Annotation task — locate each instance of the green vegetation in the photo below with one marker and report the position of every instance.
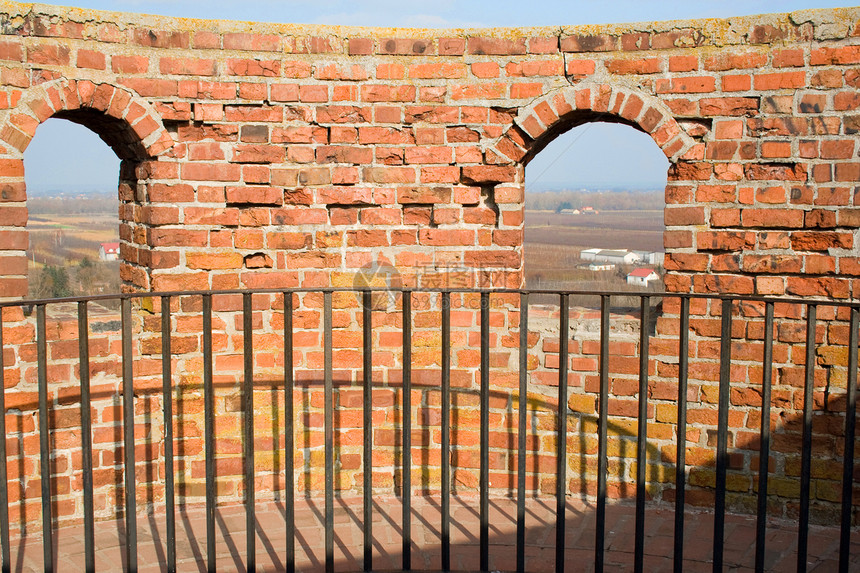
(50, 282)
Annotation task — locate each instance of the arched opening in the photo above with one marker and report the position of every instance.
(594, 199)
(131, 129)
(73, 223)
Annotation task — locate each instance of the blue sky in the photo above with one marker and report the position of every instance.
(587, 156)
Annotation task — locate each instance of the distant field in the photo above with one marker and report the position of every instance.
(66, 239)
(639, 230)
(553, 243)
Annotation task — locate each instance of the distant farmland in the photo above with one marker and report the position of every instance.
(635, 230)
(553, 243)
(61, 239)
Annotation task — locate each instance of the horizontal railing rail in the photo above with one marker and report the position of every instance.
(719, 307)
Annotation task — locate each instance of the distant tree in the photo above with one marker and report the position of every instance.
(86, 275)
(54, 282)
(562, 206)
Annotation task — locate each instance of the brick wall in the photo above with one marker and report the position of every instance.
(340, 146)
(296, 156)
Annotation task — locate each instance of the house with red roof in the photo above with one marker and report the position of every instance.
(642, 277)
(109, 251)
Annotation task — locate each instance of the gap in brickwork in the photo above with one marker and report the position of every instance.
(73, 225)
(594, 211)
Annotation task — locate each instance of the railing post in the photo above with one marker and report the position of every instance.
(602, 421)
(806, 447)
(86, 437)
(44, 436)
(764, 450)
(485, 432)
(167, 408)
(722, 432)
(446, 432)
(248, 410)
(406, 488)
(521, 433)
(209, 432)
(328, 392)
(367, 416)
(5, 553)
(848, 457)
(681, 434)
(642, 435)
(289, 439)
(561, 436)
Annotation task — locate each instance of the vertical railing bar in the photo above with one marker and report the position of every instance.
(681, 434)
(209, 432)
(5, 551)
(764, 449)
(44, 436)
(128, 436)
(806, 448)
(248, 409)
(329, 434)
(561, 436)
(848, 460)
(521, 433)
(367, 415)
(86, 437)
(446, 431)
(642, 435)
(289, 435)
(167, 408)
(722, 433)
(484, 479)
(407, 431)
(602, 420)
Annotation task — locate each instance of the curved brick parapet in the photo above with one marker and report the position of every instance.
(276, 156)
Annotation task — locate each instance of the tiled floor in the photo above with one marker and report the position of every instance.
(387, 546)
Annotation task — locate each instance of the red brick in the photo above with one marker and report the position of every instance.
(634, 66)
(405, 46)
(780, 80)
(683, 63)
(733, 61)
(776, 218)
(90, 59)
(732, 106)
(12, 50)
(835, 56)
(252, 42)
(589, 43)
(249, 67)
(696, 84)
(187, 66)
(48, 53)
(496, 46)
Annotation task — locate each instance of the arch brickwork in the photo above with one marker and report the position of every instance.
(591, 101)
(125, 121)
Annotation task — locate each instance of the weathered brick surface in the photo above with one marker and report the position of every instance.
(757, 116)
(294, 156)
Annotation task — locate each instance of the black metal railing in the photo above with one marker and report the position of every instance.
(723, 306)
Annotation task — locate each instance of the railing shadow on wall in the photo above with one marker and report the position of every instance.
(340, 400)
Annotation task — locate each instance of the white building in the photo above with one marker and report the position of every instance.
(614, 256)
(651, 257)
(642, 277)
(109, 251)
